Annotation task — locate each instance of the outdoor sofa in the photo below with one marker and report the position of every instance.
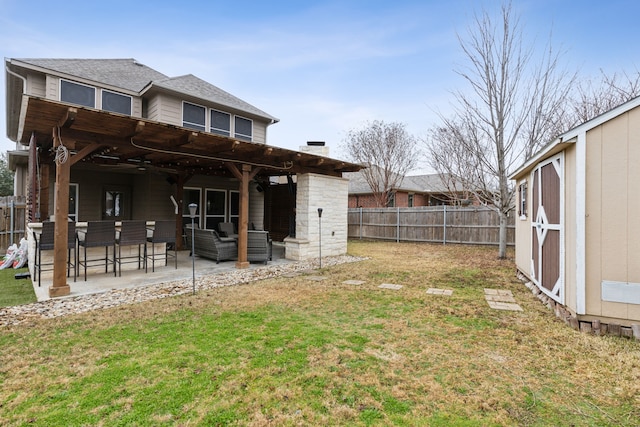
(209, 244)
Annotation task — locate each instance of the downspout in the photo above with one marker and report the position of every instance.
(24, 79)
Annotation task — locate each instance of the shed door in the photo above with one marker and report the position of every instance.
(547, 263)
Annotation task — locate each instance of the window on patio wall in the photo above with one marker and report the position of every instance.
(191, 195)
(216, 203)
(234, 208)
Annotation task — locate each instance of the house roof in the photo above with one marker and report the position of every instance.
(198, 88)
(570, 137)
(131, 76)
(127, 74)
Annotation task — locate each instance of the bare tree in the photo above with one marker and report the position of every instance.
(594, 98)
(513, 105)
(388, 151)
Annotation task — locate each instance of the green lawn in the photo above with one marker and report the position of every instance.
(293, 351)
(15, 291)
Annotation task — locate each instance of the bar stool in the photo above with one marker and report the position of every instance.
(132, 233)
(98, 234)
(45, 243)
(163, 232)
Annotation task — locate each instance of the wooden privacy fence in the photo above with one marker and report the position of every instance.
(437, 224)
(12, 221)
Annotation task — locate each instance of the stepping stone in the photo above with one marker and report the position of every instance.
(504, 306)
(436, 291)
(497, 292)
(390, 286)
(317, 278)
(500, 298)
(353, 282)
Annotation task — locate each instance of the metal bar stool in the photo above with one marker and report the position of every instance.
(45, 243)
(98, 234)
(132, 233)
(163, 232)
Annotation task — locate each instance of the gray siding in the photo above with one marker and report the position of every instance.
(37, 85)
(53, 83)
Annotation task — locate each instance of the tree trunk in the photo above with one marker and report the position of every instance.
(502, 236)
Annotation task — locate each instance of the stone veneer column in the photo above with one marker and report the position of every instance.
(331, 194)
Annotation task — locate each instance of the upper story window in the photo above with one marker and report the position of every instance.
(220, 123)
(193, 116)
(116, 102)
(76, 93)
(243, 128)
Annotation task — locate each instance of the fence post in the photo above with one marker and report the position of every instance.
(11, 208)
(360, 222)
(444, 224)
(397, 224)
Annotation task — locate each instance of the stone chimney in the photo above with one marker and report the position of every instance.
(316, 147)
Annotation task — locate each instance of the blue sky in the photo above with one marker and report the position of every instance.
(321, 67)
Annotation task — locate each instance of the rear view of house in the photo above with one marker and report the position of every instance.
(578, 235)
(113, 139)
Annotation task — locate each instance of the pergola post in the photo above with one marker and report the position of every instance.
(59, 286)
(244, 177)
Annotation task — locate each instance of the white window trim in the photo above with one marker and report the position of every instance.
(95, 91)
(117, 93)
(206, 119)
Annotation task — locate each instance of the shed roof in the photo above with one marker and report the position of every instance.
(569, 137)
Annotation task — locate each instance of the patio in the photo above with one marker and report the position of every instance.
(101, 282)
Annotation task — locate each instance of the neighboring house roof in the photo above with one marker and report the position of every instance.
(198, 88)
(431, 183)
(570, 137)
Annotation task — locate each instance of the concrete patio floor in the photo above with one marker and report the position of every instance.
(101, 282)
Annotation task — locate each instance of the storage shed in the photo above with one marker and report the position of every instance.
(578, 232)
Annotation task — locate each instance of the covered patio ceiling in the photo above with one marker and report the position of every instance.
(108, 138)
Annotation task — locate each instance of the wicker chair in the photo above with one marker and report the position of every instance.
(209, 244)
(132, 233)
(259, 246)
(45, 243)
(163, 232)
(98, 234)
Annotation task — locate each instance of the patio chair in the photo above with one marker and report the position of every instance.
(45, 243)
(227, 229)
(132, 233)
(98, 234)
(163, 232)
(259, 246)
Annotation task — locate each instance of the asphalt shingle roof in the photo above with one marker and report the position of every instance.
(127, 74)
(131, 75)
(194, 86)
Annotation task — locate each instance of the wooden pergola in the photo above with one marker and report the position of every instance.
(77, 134)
